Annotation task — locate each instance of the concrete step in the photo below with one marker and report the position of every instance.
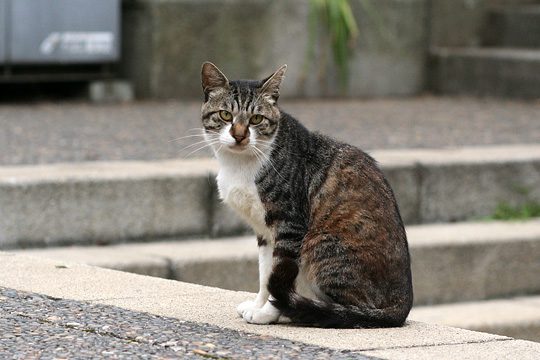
(198, 304)
(98, 203)
(517, 317)
(450, 262)
(513, 26)
(502, 72)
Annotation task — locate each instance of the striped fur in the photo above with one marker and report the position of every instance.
(340, 253)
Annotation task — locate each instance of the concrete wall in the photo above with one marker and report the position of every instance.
(460, 22)
(456, 22)
(166, 41)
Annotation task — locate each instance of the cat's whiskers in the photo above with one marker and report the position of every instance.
(220, 146)
(266, 143)
(273, 145)
(263, 140)
(270, 147)
(187, 137)
(207, 138)
(267, 158)
(209, 144)
(198, 143)
(202, 130)
(272, 141)
(257, 156)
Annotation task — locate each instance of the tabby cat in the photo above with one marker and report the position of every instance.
(332, 247)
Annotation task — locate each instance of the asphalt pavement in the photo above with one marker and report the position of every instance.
(34, 326)
(72, 131)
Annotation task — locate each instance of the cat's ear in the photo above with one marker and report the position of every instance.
(212, 78)
(270, 85)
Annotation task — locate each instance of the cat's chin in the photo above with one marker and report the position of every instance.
(237, 149)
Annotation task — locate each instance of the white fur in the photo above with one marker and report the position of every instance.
(236, 185)
(236, 182)
(265, 315)
(265, 268)
(261, 310)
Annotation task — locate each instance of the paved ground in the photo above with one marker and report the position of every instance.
(34, 326)
(176, 306)
(45, 132)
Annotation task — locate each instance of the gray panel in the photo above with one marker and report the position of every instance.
(3, 30)
(64, 31)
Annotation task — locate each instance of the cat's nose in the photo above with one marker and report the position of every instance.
(239, 137)
(240, 133)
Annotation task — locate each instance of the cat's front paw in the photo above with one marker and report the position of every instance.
(268, 314)
(245, 306)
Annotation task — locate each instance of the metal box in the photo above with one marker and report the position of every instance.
(61, 31)
(3, 30)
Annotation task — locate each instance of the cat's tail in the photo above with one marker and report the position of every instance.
(304, 311)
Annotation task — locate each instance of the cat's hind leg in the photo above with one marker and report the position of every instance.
(265, 267)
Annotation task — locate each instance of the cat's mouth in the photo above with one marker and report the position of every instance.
(237, 148)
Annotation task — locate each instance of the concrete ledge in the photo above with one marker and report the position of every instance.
(215, 306)
(228, 263)
(524, 350)
(457, 184)
(450, 262)
(103, 202)
(513, 26)
(110, 202)
(517, 317)
(505, 72)
(470, 261)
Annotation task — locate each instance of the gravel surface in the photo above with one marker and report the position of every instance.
(47, 132)
(34, 326)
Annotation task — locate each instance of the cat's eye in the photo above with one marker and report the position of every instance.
(225, 115)
(256, 119)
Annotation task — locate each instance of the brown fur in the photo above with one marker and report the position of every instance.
(349, 211)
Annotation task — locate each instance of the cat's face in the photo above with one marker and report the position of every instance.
(240, 117)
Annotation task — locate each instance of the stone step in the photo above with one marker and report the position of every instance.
(450, 262)
(501, 72)
(517, 317)
(514, 26)
(106, 202)
(194, 304)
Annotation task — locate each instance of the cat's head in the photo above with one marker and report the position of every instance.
(242, 116)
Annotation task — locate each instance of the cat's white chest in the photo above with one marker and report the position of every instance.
(236, 184)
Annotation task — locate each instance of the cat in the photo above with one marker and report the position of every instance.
(332, 247)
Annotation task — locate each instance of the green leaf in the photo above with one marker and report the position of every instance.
(338, 19)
